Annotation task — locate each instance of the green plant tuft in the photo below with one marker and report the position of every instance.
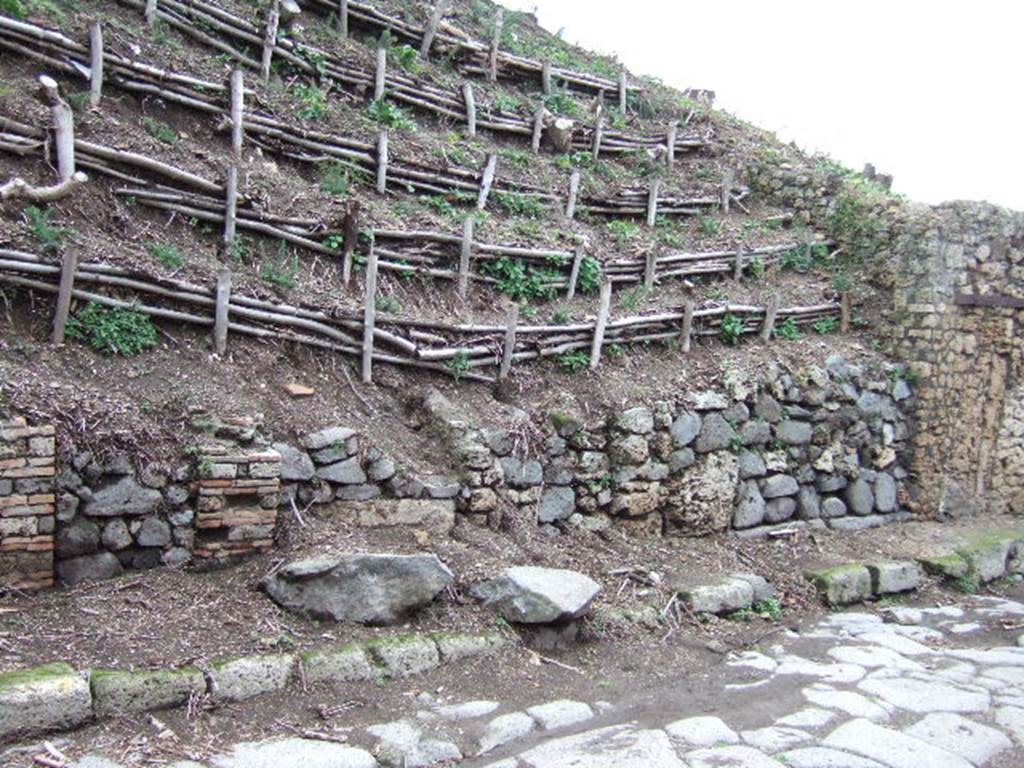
(520, 280)
(167, 254)
(459, 365)
(623, 231)
(51, 238)
(826, 325)
(789, 330)
(160, 130)
(383, 112)
(529, 206)
(574, 362)
(589, 278)
(113, 330)
(732, 329)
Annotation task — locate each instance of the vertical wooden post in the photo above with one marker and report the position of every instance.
(487, 181)
(737, 270)
(574, 191)
(380, 76)
(231, 204)
(150, 12)
(686, 333)
(428, 34)
(652, 202)
(382, 161)
(727, 179)
(492, 59)
(63, 119)
(220, 318)
(598, 131)
(343, 19)
(348, 246)
(270, 39)
(545, 78)
(622, 92)
(465, 254)
(95, 64)
(470, 101)
(509, 347)
(845, 311)
(771, 311)
(670, 143)
(650, 269)
(69, 263)
(604, 304)
(237, 111)
(574, 274)
(369, 312)
(538, 129)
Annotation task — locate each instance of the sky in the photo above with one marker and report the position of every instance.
(929, 92)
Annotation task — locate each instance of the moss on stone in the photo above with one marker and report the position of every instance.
(952, 566)
(40, 674)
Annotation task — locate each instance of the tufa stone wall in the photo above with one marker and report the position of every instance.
(26, 505)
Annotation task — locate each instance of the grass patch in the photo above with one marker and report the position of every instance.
(383, 112)
(575, 361)
(520, 280)
(167, 254)
(113, 330)
(160, 130)
(528, 206)
(623, 231)
(50, 237)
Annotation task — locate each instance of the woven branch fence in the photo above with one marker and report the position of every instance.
(460, 350)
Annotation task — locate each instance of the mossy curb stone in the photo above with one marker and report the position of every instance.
(950, 566)
(248, 676)
(402, 656)
(43, 698)
(454, 646)
(892, 577)
(115, 692)
(344, 664)
(987, 556)
(842, 585)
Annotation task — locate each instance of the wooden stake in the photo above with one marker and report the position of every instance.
(737, 271)
(686, 333)
(771, 310)
(652, 202)
(470, 101)
(369, 312)
(545, 77)
(380, 78)
(727, 180)
(150, 12)
(465, 254)
(220, 319)
(237, 111)
(538, 129)
(95, 64)
(845, 311)
(574, 274)
(343, 19)
(382, 161)
(605, 303)
(231, 204)
(63, 120)
(598, 132)
(670, 143)
(428, 34)
(574, 190)
(270, 39)
(622, 91)
(509, 347)
(487, 181)
(650, 269)
(499, 21)
(69, 263)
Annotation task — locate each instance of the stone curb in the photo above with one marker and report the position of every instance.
(979, 560)
(58, 697)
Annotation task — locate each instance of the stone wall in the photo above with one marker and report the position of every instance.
(967, 353)
(26, 505)
(819, 446)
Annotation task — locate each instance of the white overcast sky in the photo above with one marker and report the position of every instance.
(928, 91)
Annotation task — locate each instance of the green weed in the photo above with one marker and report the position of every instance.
(732, 329)
(388, 304)
(459, 365)
(520, 280)
(789, 330)
(530, 206)
(768, 609)
(623, 231)
(709, 225)
(314, 101)
(167, 254)
(279, 270)
(383, 112)
(826, 325)
(51, 238)
(160, 130)
(589, 278)
(113, 330)
(575, 361)
(335, 180)
(630, 300)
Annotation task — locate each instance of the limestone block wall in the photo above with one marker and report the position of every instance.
(26, 504)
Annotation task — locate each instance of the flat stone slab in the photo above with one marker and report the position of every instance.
(702, 731)
(559, 714)
(344, 664)
(730, 757)
(775, 738)
(49, 697)
(467, 710)
(926, 696)
(619, 746)
(405, 655)
(890, 747)
(503, 729)
(533, 595)
(895, 576)
(822, 757)
(851, 703)
(436, 515)
(367, 588)
(295, 753)
(954, 733)
(401, 745)
(730, 594)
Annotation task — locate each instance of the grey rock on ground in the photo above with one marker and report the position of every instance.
(295, 753)
(534, 595)
(368, 588)
(96, 567)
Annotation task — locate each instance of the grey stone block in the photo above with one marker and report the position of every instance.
(779, 485)
(243, 678)
(344, 664)
(50, 697)
(403, 656)
(115, 692)
(897, 576)
(859, 497)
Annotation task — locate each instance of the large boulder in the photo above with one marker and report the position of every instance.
(534, 595)
(124, 497)
(368, 588)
